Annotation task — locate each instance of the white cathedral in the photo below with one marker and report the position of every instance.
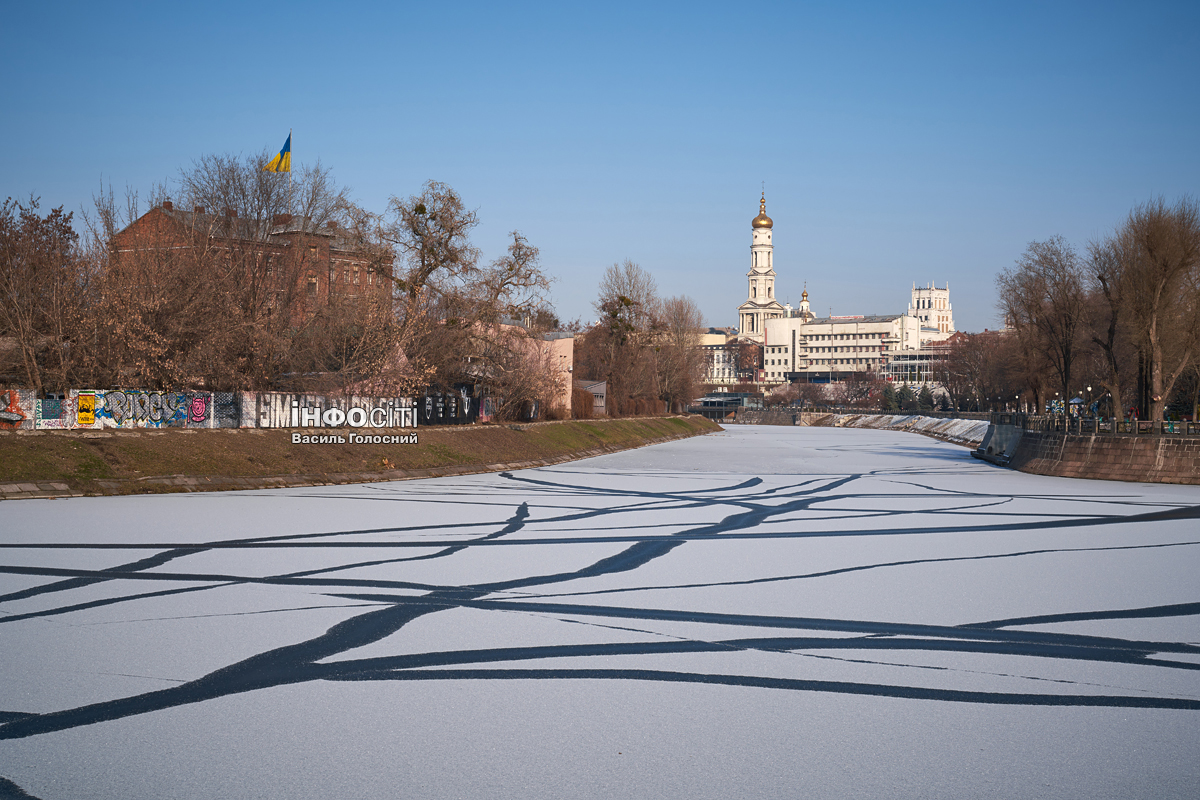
(797, 345)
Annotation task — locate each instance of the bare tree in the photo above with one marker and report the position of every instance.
(861, 389)
(638, 288)
(1108, 281)
(513, 285)
(521, 370)
(747, 358)
(953, 370)
(41, 285)
(505, 315)
(1162, 290)
(308, 196)
(160, 314)
(431, 232)
(680, 359)
(619, 348)
(1044, 297)
(811, 393)
(783, 395)
(223, 290)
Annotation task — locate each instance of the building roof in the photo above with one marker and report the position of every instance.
(230, 226)
(849, 320)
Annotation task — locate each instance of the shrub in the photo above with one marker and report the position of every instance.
(583, 403)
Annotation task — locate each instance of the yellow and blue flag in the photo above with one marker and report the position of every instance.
(283, 161)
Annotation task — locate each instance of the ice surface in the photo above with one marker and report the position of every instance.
(764, 612)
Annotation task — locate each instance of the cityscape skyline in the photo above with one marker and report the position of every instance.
(897, 145)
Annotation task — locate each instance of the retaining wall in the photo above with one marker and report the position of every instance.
(1154, 459)
(97, 409)
(968, 432)
(755, 416)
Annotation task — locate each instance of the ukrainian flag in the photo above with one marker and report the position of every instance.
(283, 161)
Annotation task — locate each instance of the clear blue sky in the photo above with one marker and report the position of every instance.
(899, 142)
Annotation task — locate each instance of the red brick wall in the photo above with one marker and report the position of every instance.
(1153, 459)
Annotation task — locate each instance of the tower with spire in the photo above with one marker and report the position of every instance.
(761, 304)
(805, 311)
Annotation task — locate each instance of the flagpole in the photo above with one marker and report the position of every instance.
(291, 204)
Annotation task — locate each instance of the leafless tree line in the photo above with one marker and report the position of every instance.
(227, 307)
(1123, 316)
(645, 347)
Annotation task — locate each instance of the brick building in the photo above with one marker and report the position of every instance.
(290, 262)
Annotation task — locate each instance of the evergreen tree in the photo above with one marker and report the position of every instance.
(889, 398)
(926, 398)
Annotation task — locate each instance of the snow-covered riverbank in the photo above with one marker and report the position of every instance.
(968, 432)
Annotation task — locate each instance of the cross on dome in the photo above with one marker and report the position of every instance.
(762, 220)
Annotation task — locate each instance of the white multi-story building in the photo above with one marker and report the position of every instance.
(828, 349)
(720, 359)
(931, 306)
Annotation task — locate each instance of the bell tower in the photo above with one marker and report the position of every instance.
(760, 304)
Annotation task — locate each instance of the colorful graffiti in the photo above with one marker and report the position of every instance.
(55, 413)
(120, 408)
(85, 409)
(198, 409)
(14, 414)
(145, 408)
(95, 409)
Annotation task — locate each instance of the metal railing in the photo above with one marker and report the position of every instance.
(1088, 426)
(825, 409)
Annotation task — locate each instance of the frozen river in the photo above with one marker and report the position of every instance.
(765, 612)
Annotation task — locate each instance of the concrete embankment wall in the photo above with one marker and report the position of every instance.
(967, 432)
(749, 416)
(1154, 459)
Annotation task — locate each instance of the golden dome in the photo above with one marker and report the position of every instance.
(762, 220)
(804, 295)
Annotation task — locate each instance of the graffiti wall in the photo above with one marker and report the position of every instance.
(17, 409)
(459, 406)
(288, 410)
(120, 408)
(98, 409)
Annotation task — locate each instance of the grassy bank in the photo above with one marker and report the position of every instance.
(120, 462)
